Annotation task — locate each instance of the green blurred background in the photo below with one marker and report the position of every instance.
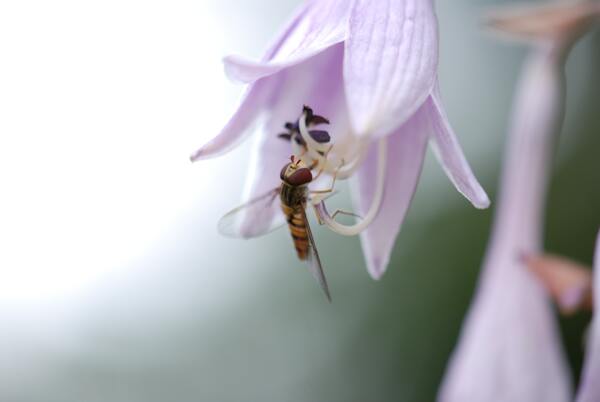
(193, 316)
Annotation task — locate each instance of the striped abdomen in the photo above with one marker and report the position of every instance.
(297, 225)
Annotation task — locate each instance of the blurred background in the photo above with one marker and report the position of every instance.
(114, 283)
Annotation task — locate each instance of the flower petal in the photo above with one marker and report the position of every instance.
(569, 283)
(449, 153)
(238, 127)
(390, 62)
(589, 390)
(319, 25)
(406, 151)
(316, 82)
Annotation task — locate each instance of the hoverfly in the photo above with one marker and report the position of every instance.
(262, 214)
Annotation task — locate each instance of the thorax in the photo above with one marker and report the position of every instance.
(293, 196)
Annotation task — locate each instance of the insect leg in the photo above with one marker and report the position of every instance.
(338, 211)
(331, 188)
(319, 220)
(342, 212)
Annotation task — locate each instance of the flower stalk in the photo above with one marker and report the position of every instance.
(510, 348)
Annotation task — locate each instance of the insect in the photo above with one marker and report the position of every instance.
(260, 216)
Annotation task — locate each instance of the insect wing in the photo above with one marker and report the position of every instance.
(313, 260)
(254, 218)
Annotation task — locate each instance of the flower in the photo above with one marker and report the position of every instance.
(589, 390)
(509, 349)
(371, 68)
(572, 286)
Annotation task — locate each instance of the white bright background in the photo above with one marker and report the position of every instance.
(102, 214)
(100, 104)
(105, 225)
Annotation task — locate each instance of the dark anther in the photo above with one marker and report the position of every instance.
(316, 120)
(313, 119)
(321, 136)
(308, 111)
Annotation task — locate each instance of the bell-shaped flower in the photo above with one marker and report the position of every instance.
(573, 287)
(510, 347)
(589, 388)
(370, 67)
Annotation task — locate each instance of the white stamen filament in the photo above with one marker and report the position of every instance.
(352, 230)
(313, 146)
(298, 150)
(341, 167)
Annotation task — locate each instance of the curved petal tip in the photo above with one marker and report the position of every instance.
(377, 267)
(196, 156)
(449, 152)
(200, 154)
(481, 199)
(406, 152)
(238, 127)
(317, 26)
(239, 69)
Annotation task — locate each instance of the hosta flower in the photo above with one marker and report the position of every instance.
(510, 348)
(589, 389)
(370, 67)
(572, 285)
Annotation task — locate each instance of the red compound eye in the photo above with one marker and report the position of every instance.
(299, 177)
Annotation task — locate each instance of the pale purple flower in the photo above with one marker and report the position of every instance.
(572, 285)
(371, 68)
(510, 348)
(589, 390)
